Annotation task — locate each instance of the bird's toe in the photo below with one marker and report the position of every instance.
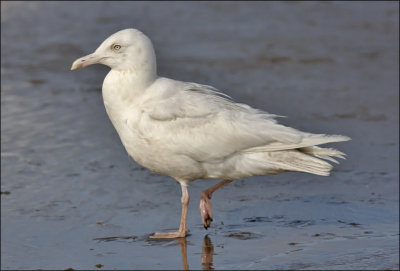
(206, 212)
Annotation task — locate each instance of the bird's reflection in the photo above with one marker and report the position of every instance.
(207, 249)
(207, 252)
(183, 244)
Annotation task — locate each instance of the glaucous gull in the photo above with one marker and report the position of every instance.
(190, 131)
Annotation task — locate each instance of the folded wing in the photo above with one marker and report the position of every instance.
(200, 122)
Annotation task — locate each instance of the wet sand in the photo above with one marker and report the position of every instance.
(72, 198)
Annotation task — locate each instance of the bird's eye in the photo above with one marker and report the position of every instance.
(116, 47)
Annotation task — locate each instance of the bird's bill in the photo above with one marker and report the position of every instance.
(85, 61)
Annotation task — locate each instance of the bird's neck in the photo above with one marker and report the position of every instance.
(129, 82)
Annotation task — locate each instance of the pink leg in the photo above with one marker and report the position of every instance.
(182, 228)
(205, 204)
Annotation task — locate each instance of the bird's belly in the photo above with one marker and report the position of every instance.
(148, 153)
(161, 160)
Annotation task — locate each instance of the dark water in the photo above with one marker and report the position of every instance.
(72, 198)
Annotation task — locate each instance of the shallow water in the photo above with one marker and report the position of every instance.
(72, 198)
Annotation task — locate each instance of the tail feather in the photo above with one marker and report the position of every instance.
(308, 140)
(294, 160)
(323, 153)
(304, 156)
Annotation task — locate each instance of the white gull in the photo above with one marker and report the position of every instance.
(191, 131)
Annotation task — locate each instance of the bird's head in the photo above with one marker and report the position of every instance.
(124, 50)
